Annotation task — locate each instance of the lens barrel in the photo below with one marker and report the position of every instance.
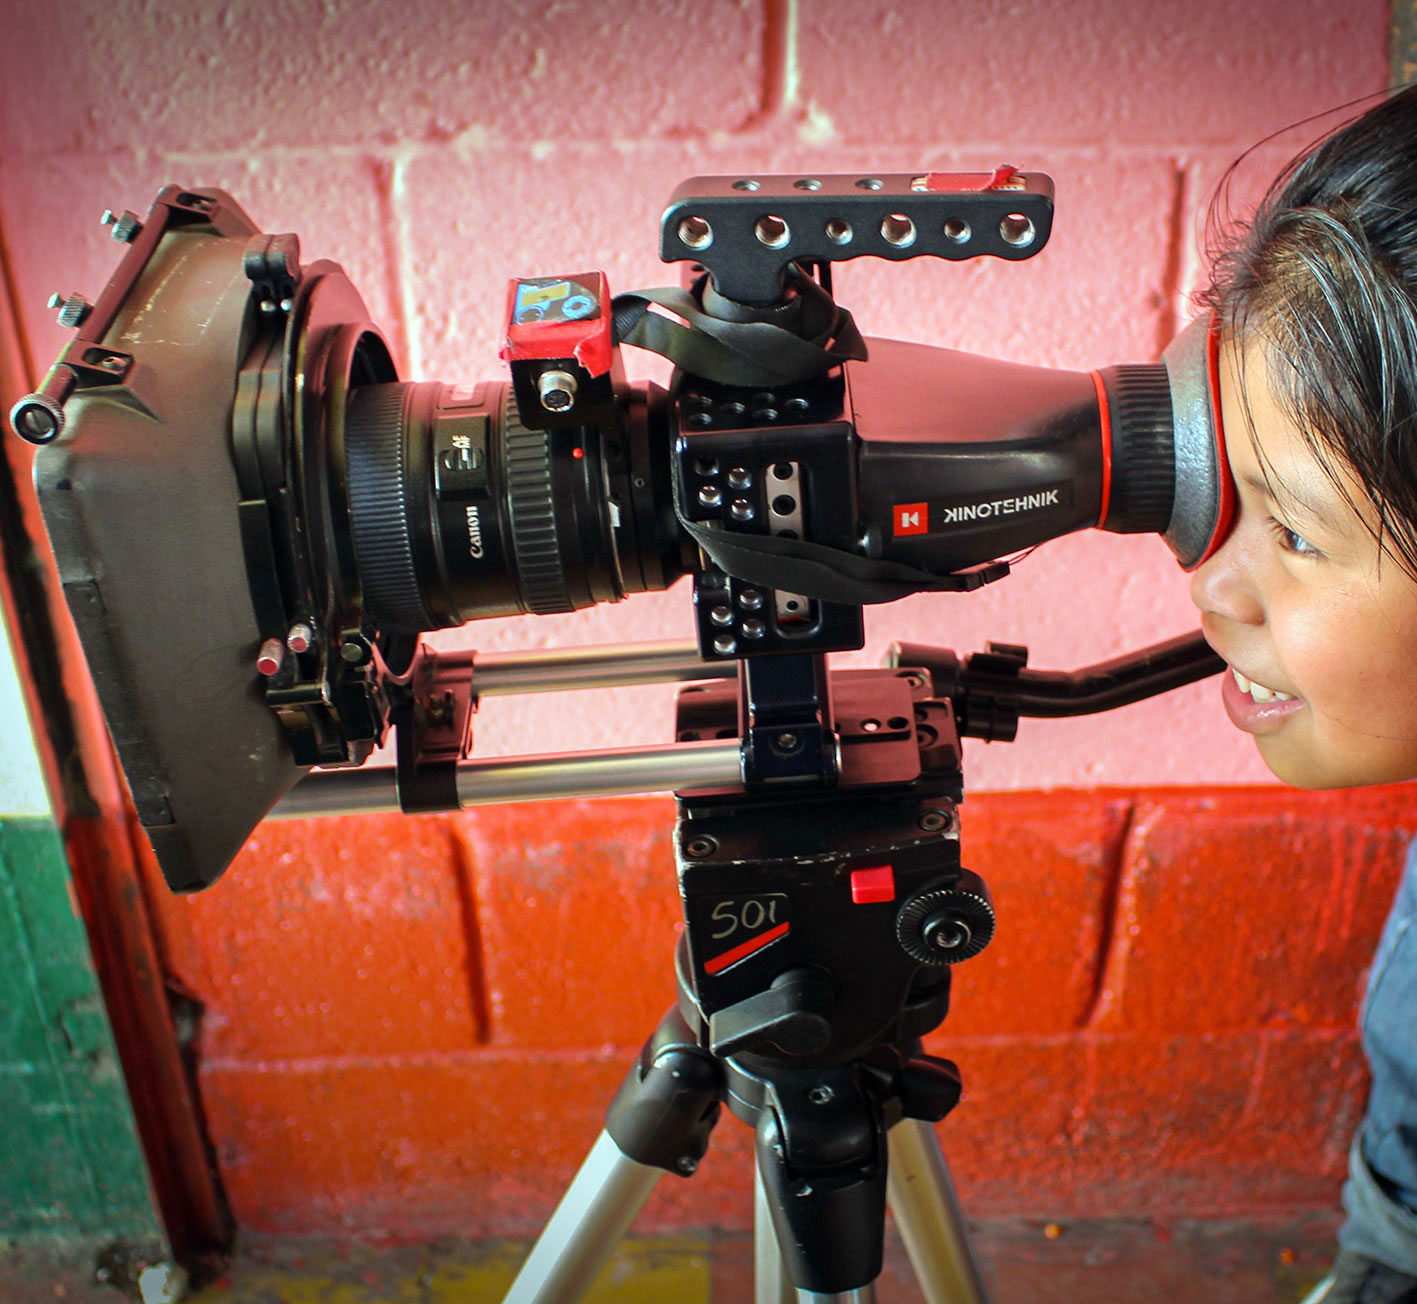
(458, 511)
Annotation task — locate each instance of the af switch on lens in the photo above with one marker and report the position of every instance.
(460, 454)
(944, 925)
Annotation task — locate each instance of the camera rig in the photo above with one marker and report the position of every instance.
(255, 522)
(251, 500)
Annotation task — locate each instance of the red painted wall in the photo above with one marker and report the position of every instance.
(414, 1024)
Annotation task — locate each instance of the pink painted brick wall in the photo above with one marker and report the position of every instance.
(439, 148)
(415, 1025)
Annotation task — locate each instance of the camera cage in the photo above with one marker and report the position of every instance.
(283, 345)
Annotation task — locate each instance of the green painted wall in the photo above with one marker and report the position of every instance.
(70, 1163)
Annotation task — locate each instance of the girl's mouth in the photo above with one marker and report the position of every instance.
(1253, 707)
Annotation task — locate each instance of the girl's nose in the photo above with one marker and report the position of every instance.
(1226, 584)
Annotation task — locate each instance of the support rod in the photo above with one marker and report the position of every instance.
(497, 674)
(620, 770)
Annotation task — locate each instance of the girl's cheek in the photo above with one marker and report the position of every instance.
(1314, 650)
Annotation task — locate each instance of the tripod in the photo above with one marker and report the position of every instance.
(810, 966)
(824, 905)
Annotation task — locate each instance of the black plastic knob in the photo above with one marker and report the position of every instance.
(794, 1014)
(947, 924)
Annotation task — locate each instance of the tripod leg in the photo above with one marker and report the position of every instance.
(821, 1151)
(772, 1285)
(770, 1279)
(922, 1198)
(595, 1212)
(659, 1122)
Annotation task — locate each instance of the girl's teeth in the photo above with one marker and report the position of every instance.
(1258, 691)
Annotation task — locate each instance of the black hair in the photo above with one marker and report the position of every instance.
(1324, 278)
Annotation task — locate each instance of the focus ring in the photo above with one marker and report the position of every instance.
(531, 507)
(378, 507)
(1143, 448)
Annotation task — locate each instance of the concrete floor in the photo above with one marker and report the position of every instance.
(1116, 1261)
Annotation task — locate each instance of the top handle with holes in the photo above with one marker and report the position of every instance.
(746, 230)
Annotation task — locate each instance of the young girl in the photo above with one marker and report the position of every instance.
(1312, 597)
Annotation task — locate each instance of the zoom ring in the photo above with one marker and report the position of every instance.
(1143, 448)
(378, 508)
(532, 512)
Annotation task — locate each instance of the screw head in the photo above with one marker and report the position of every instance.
(73, 309)
(945, 932)
(126, 225)
(37, 418)
(821, 1094)
(687, 1165)
(557, 390)
(698, 848)
(786, 742)
(932, 821)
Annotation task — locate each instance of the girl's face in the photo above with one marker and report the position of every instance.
(1318, 625)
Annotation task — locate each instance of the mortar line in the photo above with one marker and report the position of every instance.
(1178, 263)
(472, 935)
(395, 237)
(1257, 1075)
(1329, 902)
(790, 68)
(781, 77)
(1109, 957)
(400, 261)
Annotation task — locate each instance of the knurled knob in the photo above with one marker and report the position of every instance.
(945, 925)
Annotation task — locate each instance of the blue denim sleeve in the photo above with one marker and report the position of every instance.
(1380, 1196)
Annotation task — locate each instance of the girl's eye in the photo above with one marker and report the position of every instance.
(1291, 541)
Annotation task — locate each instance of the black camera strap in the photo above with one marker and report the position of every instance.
(745, 353)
